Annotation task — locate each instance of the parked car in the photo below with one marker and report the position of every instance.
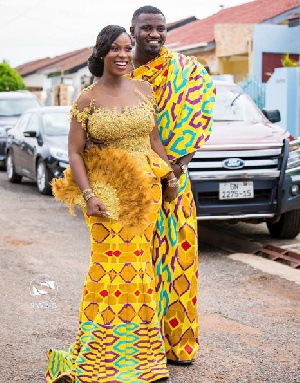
(37, 147)
(12, 105)
(249, 170)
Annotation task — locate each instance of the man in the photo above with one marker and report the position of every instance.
(185, 97)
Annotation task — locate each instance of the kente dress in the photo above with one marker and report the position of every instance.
(185, 97)
(119, 338)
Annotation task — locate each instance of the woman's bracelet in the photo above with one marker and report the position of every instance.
(88, 196)
(173, 183)
(87, 191)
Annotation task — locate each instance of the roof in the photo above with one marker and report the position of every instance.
(180, 23)
(189, 34)
(16, 94)
(254, 12)
(67, 62)
(50, 108)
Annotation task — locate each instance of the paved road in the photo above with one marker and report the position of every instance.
(250, 330)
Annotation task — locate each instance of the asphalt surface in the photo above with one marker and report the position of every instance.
(250, 320)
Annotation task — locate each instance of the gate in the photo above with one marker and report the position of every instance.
(256, 91)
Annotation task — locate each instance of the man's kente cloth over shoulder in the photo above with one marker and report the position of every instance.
(185, 96)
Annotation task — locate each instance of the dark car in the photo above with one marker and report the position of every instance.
(12, 105)
(37, 147)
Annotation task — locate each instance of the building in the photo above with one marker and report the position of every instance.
(247, 39)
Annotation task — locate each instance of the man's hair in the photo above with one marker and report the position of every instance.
(145, 9)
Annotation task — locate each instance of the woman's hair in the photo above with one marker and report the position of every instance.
(103, 43)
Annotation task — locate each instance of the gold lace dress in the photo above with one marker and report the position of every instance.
(119, 338)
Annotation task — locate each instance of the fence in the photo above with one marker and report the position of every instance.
(256, 91)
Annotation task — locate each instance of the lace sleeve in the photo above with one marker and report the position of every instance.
(81, 116)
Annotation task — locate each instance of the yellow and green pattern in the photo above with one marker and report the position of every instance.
(185, 96)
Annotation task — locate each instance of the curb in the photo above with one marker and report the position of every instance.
(268, 266)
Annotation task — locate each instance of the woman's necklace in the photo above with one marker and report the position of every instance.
(122, 94)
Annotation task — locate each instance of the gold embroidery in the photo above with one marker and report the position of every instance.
(128, 130)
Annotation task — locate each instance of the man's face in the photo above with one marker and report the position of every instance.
(150, 33)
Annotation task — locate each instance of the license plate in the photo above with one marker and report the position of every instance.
(236, 190)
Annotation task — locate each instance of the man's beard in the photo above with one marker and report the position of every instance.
(152, 52)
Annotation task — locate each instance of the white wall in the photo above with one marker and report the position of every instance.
(283, 93)
(273, 39)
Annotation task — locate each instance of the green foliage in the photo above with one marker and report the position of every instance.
(10, 79)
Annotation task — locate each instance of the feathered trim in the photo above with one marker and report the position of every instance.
(116, 179)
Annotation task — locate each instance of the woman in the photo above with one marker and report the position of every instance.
(119, 338)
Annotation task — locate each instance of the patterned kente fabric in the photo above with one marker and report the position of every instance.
(119, 338)
(185, 96)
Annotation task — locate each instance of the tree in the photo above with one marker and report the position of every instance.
(10, 78)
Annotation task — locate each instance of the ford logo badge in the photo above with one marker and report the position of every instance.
(233, 163)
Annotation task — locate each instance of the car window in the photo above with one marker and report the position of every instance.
(56, 124)
(233, 104)
(33, 123)
(23, 122)
(14, 107)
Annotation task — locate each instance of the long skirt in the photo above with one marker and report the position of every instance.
(119, 338)
(175, 255)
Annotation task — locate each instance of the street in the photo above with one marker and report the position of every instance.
(249, 320)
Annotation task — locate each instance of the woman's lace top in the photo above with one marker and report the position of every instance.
(128, 130)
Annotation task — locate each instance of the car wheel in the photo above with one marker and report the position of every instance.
(288, 227)
(12, 176)
(42, 178)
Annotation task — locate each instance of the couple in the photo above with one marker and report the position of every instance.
(151, 109)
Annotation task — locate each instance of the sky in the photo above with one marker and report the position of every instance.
(35, 29)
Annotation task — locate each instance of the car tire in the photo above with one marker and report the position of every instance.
(288, 227)
(42, 178)
(12, 176)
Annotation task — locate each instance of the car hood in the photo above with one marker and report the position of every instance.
(241, 132)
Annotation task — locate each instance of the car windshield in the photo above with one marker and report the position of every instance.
(14, 107)
(56, 124)
(233, 104)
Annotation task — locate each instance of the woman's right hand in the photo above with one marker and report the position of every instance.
(96, 208)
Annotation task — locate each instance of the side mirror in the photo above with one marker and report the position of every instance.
(272, 115)
(30, 133)
(7, 128)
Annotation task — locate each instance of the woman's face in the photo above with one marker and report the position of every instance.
(118, 59)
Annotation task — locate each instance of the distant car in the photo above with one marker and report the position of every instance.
(37, 147)
(12, 105)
